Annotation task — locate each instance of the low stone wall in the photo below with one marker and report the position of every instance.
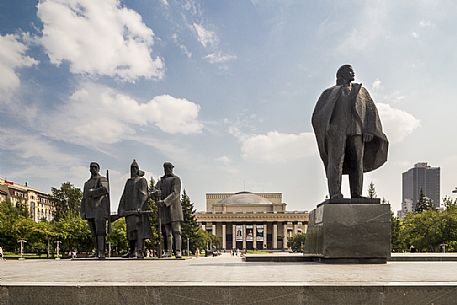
(198, 295)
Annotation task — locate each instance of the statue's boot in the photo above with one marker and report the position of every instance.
(101, 247)
(177, 236)
(131, 251)
(95, 252)
(139, 253)
(169, 251)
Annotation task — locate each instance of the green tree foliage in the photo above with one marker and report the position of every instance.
(73, 232)
(372, 191)
(397, 241)
(424, 203)
(118, 237)
(67, 200)
(189, 226)
(297, 242)
(9, 215)
(423, 230)
(206, 240)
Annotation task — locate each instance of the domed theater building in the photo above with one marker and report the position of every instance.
(251, 221)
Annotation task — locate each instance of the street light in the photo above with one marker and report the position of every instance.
(22, 247)
(58, 248)
(455, 191)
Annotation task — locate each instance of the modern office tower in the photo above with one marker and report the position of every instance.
(420, 177)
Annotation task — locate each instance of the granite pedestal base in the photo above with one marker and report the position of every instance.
(349, 231)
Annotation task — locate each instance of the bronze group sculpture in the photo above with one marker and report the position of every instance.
(133, 205)
(168, 191)
(348, 133)
(95, 207)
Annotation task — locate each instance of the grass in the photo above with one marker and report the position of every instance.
(257, 252)
(12, 255)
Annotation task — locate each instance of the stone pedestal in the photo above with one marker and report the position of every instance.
(349, 231)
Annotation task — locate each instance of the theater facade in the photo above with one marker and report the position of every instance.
(251, 221)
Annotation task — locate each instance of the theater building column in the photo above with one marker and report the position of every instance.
(233, 236)
(265, 236)
(214, 230)
(254, 237)
(224, 237)
(275, 236)
(244, 236)
(284, 234)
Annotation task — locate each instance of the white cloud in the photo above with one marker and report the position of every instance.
(377, 84)
(206, 37)
(219, 57)
(175, 115)
(97, 114)
(165, 3)
(29, 146)
(12, 57)
(274, 147)
(426, 24)
(183, 48)
(98, 38)
(370, 24)
(415, 35)
(223, 159)
(397, 124)
(191, 6)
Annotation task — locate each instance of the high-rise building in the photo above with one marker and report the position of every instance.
(420, 177)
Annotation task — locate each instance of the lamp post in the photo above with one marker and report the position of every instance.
(58, 248)
(22, 248)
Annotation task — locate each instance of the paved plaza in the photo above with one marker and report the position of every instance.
(432, 282)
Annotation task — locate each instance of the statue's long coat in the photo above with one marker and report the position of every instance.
(134, 197)
(170, 187)
(95, 201)
(364, 110)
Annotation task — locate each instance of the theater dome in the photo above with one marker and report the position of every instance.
(245, 198)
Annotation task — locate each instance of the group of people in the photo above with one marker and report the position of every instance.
(133, 205)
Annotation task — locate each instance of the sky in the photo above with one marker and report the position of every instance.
(224, 90)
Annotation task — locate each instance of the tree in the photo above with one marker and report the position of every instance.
(189, 226)
(397, 241)
(67, 200)
(73, 232)
(118, 236)
(9, 216)
(297, 242)
(372, 191)
(424, 203)
(449, 204)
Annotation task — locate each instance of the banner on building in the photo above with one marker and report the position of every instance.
(259, 233)
(239, 232)
(249, 232)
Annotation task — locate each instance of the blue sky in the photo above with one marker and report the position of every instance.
(223, 89)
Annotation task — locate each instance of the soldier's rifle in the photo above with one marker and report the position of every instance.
(109, 202)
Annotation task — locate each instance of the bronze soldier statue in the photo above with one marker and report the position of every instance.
(133, 205)
(349, 133)
(95, 207)
(168, 190)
